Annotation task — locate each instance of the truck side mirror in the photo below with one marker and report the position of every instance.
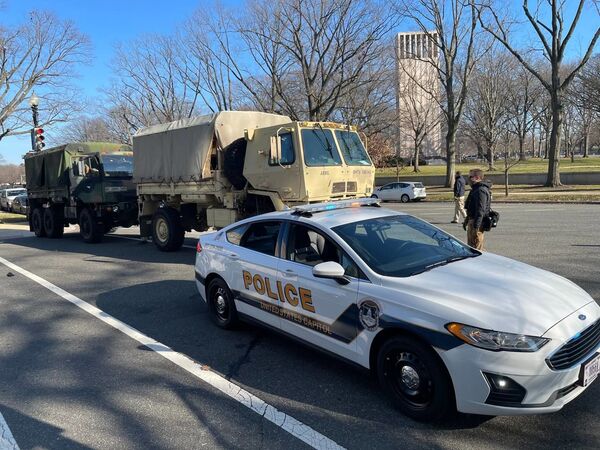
(275, 150)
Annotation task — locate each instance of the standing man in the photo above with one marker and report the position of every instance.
(478, 207)
(459, 198)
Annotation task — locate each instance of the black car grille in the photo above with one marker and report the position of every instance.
(577, 349)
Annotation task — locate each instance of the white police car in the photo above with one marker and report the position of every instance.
(444, 326)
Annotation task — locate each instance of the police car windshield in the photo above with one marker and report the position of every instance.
(401, 246)
(117, 165)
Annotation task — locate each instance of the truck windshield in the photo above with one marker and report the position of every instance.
(319, 148)
(117, 165)
(352, 148)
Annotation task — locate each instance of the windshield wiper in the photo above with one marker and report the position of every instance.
(443, 262)
(329, 149)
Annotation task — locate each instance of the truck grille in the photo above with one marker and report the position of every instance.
(338, 187)
(577, 349)
(351, 186)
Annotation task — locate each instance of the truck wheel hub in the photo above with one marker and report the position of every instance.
(162, 230)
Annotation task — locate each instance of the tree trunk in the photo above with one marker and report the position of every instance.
(450, 154)
(416, 157)
(586, 137)
(522, 148)
(553, 176)
(490, 156)
(505, 181)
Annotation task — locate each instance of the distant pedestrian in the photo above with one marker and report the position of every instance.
(459, 198)
(478, 207)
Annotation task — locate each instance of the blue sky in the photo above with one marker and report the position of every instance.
(108, 22)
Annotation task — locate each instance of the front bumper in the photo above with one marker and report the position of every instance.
(546, 390)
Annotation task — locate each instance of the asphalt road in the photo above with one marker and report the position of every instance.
(69, 380)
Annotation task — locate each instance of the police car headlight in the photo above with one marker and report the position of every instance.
(496, 340)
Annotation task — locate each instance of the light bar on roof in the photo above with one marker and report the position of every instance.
(337, 204)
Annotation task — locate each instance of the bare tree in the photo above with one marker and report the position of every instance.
(588, 78)
(488, 100)
(452, 26)
(149, 87)
(523, 91)
(554, 36)
(312, 53)
(42, 55)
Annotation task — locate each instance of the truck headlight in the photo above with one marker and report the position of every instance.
(496, 340)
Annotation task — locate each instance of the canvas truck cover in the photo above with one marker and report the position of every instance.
(181, 150)
(48, 169)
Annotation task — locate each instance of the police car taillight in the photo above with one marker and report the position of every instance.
(199, 247)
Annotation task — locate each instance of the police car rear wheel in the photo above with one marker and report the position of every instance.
(415, 378)
(221, 304)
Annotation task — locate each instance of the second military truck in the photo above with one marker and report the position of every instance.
(89, 184)
(213, 170)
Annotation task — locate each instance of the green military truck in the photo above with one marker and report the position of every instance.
(88, 183)
(210, 171)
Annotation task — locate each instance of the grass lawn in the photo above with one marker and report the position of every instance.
(529, 193)
(7, 217)
(533, 165)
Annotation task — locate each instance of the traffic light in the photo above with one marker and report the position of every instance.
(37, 139)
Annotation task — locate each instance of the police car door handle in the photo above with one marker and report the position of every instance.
(233, 256)
(289, 273)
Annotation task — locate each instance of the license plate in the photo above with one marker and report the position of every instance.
(591, 370)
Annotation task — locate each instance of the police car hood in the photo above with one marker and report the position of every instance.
(494, 292)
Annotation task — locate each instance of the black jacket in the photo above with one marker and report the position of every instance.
(459, 186)
(478, 202)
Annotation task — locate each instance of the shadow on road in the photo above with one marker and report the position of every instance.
(110, 248)
(319, 390)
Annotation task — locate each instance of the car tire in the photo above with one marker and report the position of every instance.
(90, 229)
(37, 222)
(415, 378)
(405, 198)
(167, 231)
(221, 305)
(374, 196)
(54, 222)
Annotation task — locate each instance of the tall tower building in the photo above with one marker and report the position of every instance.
(418, 93)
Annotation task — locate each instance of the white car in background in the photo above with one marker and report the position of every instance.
(8, 195)
(403, 191)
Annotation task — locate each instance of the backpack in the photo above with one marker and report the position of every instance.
(491, 220)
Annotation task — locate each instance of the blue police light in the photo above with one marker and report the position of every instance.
(309, 210)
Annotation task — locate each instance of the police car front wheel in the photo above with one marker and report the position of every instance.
(415, 378)
(221, 304)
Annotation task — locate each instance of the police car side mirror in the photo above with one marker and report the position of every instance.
(332, 270)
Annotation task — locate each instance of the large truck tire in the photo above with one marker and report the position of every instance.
(167, 230)
(91, 231)
(54, 222)
(233, 163)
(37, 221)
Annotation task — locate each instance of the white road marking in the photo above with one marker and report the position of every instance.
(203, 372)
(7, 441)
